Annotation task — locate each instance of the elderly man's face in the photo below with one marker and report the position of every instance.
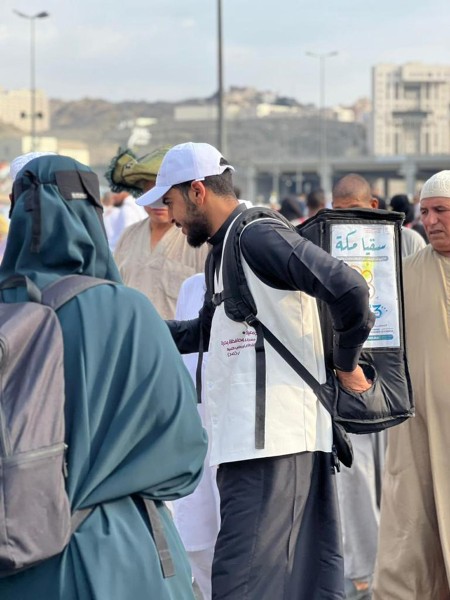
(436, 220)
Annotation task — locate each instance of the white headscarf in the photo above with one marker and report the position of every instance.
(438, 186)
(18, 163)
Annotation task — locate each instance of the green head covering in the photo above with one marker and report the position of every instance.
(56, 223)
(126, 172)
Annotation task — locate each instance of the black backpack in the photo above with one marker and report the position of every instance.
(385, 404)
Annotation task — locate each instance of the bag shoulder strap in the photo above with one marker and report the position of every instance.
(292, 360)
(159, 538)
(78, 517)
(17, 280)
(209, 281)
(59, 292)
(236, 296)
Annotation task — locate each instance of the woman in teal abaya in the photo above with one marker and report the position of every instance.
(132, 426)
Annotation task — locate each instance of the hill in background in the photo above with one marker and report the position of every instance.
(105, 125)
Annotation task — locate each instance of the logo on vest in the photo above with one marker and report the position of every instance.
(234, 346)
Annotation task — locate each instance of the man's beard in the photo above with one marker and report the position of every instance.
(197, 226)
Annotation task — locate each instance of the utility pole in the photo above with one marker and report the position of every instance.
(323, 158)
(221, 135)
(33, 114)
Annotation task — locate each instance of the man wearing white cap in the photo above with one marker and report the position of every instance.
(279, 536)
(414, 546)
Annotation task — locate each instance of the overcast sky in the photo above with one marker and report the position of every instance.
(167, 49)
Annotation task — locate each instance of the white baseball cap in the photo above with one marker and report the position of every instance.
(182, 163)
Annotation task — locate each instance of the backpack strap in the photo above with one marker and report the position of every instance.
(262, 332)
(260, 391)
(78, 517)
(209, 280)
(34, 293)
(57, 293)
(159, 538)
(292, 361)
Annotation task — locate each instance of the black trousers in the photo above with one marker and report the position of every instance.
(280, 535)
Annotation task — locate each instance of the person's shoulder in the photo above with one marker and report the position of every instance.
(416, 260)
(262, 234)
(114, 294)
(133, 299)
(131, 230)
(194, 282)
(266, 224)
(414, 236)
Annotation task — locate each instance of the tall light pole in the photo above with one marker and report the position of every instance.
(33, 115)
(221, 140)
(323, 121)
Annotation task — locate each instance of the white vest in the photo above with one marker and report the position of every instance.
(295, 419)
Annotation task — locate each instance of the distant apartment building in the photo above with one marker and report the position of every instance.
(16, 110)
(411, 109)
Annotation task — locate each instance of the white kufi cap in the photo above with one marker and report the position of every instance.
(18, 163)
(438, 186)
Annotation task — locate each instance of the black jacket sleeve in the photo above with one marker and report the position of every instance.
(283, 259)
(189, 336)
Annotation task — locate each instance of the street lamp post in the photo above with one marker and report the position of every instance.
(323, 121)
(33, 115)
(221, 140)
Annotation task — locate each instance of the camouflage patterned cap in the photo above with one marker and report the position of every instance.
(127, 172)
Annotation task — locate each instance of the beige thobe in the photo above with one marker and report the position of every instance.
(414, 545)
(159, 272)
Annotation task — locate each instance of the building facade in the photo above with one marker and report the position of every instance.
(15, 146)
(411, 109)
(16, 109)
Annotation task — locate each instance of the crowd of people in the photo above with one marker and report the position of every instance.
(193, 485)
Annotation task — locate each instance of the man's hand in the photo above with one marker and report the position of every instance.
(355, 381)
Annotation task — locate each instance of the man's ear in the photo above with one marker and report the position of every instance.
(199, 192)
(373, 202)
